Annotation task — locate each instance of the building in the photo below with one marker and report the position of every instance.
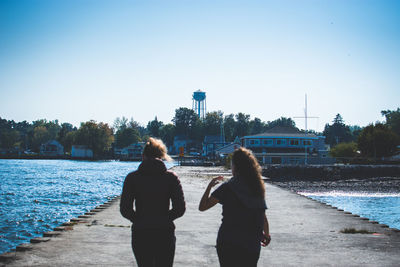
(51, 148)
(133, 151)
(285, 145)
(79, 151)
(212, 143)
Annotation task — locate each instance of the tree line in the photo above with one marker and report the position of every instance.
(377, 140)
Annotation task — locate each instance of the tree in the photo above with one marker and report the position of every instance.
(344, 150)
(212, 123)
(242, 124)
(392, 119)
(338, 132)
(97, 137)
(64, 137)
(8, 138)
(377, 141)
(256, 126)
(185, 121)
(127, 136)
(229, 127)
(282, 122)
(167, 134)
(154, 126)
(40, 135)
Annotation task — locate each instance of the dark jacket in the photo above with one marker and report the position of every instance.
(151, 188)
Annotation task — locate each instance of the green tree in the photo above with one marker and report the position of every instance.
(377, 141)
(281, 122)
(185, 121)
(338, 132)
(344, 150)
(154, 127)
(8, 138)
(212, 123)
(229, 127)
(167, 134)
(242, 127)
(127, 136)
(96, 136)
(392, 119)
(64, 137)
(256, 126)
(40, 135)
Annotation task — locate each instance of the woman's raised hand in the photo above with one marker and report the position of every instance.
(215, 181)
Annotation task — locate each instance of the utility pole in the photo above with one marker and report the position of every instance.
(306, 117)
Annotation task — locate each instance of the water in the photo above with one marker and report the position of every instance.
(380, 207)
(38, 195)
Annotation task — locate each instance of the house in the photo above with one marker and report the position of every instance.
(285, 145)
(79, 151)
(211, 143)
(228, 149)
(181, 141)
(51, 148)
(133, 151)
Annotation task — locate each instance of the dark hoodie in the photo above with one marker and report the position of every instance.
(151, 188)
(242, 215)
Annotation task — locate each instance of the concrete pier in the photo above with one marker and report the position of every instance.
(304, 233)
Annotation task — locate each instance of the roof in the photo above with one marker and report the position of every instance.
(280, 131)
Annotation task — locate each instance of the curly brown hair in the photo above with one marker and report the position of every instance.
(155, 148)
(246, 167)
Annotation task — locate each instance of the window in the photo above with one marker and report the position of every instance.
(307, 142)
(294, 142)
(268, 142)
(254, 142)
(280, 142)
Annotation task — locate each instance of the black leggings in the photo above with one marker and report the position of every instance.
(233, 256)
(154, 248)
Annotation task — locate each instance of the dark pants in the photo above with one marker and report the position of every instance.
(155, 248)
(233, 256)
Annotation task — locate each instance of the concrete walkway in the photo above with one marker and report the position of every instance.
(304, 233)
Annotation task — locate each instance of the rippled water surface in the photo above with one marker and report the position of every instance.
(38, 195)
(381, 207)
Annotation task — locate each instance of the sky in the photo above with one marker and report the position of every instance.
(98, 60)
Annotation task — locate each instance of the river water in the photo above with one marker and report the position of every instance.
(381, 207)
(38, 195)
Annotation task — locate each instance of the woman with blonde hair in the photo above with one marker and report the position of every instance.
(244, 227)
(151, 189)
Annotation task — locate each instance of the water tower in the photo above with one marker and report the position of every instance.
(199, 103)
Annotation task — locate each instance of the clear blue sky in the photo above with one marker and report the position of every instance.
(93, 59)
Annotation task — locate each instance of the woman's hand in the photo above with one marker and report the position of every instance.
(266, 240)
(208, 201)
(215, 181)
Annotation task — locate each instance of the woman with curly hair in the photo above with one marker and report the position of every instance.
(151, 188)
(244, 227)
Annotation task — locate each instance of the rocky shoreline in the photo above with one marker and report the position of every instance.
(367, 185)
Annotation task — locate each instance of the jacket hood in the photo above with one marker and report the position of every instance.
(152, 166)
(243, 192)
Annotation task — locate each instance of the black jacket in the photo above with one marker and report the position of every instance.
(151, 188)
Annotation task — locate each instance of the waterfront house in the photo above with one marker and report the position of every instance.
(286, 145)
(80, 151)
(182, 141)
(226, 150)
(211, 143)
(51, 148)
(133, 151)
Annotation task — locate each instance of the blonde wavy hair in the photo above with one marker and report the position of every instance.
(155, 148)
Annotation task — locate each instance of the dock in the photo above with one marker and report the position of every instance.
(304, 233)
